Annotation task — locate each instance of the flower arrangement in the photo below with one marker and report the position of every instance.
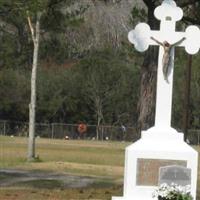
(172, 192)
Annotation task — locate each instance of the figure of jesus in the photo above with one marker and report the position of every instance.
(166, 60)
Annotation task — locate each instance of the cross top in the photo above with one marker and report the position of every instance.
(166, 38)
(168, 11)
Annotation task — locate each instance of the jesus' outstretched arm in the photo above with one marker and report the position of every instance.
(178, 42)
(158, 42)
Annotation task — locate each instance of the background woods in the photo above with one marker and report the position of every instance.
(87, 70)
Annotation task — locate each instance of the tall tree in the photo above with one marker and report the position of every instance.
(51, 14)
(38, 8)
(106, 81)
(146, 105)
(35, 33)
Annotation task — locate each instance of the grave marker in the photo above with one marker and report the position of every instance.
(161, 145)
(175, 174)
(148, 170)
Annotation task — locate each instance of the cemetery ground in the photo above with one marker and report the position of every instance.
(65, 169)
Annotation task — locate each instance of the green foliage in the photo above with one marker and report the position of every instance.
(181, 64)
(15, 36)
(108, 84)
(14, 92)
(55, 95)
(105, 82)
(195, 93)
(138, 14)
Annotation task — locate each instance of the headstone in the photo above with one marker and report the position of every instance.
(175, 174)
(161, 145)
(148, 170)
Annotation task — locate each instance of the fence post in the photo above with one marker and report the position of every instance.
(97, 132)
(52, 130)
(4, 128)
(102, 132)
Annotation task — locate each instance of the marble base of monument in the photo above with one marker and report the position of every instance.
(145, 157)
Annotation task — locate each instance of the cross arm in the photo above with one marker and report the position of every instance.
(142, 36)
(175, 39)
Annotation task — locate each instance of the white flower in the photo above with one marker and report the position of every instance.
(187, 189)
(170, 191)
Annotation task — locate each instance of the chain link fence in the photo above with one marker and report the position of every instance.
(69, 131)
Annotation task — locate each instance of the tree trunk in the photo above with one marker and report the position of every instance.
(146, 105)
(187, 97)
(99, 113)
(32, 105)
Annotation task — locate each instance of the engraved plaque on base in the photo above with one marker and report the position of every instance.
(148, 170)
(175, 174)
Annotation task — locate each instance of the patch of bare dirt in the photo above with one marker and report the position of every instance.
(10, 177)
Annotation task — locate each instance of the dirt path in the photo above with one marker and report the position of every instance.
(11, 177)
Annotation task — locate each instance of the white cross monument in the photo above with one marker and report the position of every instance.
(160, 145)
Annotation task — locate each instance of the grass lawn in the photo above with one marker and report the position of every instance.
(75, 156)
(102, 160)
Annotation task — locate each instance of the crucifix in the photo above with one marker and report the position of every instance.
(160, 145)
(167, 38)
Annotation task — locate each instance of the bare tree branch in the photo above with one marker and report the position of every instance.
(31, 27)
